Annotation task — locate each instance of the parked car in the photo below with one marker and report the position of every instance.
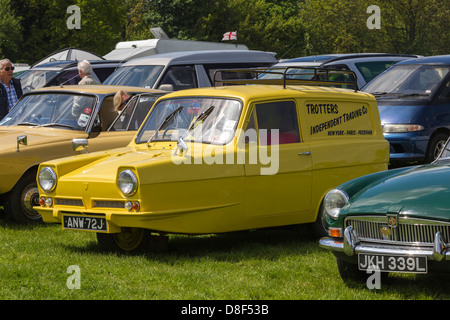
(41, 127)
(214, 160)
(392, 221)
(63, 73)
(365, 65)
(186, 69)
(414, 102)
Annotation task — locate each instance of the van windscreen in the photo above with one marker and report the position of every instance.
(136, 76)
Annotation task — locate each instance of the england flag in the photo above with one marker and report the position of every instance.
(232, 35)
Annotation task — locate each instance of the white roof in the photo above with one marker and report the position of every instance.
(140, 48)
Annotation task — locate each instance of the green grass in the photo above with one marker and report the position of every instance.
(282, 264)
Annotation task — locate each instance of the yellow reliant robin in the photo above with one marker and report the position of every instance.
(219, 159)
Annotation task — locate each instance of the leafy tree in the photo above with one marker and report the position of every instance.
(45, 28)
(10, 33)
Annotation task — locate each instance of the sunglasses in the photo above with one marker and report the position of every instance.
(8, 68)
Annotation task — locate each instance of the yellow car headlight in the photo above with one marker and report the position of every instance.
(47, 179)
(127, 182)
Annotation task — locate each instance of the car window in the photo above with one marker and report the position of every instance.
(69, 77)
(180, 77)
(211, 69)
(104, 73)
(34, 79)
(199, 119)
(136, 76)
(444, 95)
(371, 69)
(58, 110)
(132, 116)
(341, 77)
(418, 80)
(277, 117)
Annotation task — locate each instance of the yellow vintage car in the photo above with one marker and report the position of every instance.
(215, 160)
(41, 127)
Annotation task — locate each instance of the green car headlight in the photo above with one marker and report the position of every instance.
(47, 179)
(127, 182)
(334, 201)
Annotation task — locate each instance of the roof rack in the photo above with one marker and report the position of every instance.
(287, 75)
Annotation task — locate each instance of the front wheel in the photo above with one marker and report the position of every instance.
(435, 146)
(21, 199)
(132, 240)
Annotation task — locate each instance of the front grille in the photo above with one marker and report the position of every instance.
(69, 202)
(109, 204)
(407, 231)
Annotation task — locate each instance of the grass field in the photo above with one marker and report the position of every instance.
(282, 264)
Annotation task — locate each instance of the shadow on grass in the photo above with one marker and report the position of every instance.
(410, 286)
(233, 246)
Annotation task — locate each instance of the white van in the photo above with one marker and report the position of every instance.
(187, 69)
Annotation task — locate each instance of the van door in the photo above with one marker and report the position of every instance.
(279, 181)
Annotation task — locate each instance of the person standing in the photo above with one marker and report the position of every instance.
(85, 72)
(10, 88)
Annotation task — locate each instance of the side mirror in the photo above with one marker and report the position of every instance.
(166, 87)
(80, 144)
(21, 140)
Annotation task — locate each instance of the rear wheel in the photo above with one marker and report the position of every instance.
(20, 200)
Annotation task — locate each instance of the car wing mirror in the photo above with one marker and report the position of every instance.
(80, 144)
(21, 140)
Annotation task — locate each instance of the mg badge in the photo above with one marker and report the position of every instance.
(392, 220)
(385, 232)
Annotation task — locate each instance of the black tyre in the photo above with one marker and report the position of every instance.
(20, 200)
(132, 240)
(349, 271)
(318, 227)
(435, 146)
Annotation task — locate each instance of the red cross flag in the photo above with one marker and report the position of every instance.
(232, 35)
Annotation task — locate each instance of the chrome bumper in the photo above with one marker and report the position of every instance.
(351, 245)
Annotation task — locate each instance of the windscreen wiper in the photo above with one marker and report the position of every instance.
(181, 145)
(165, 123)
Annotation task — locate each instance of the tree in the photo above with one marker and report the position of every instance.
(10, 33)
(45, 28)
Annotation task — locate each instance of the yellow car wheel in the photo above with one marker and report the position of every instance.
(133, 240)
(21, 199)
(129, 240)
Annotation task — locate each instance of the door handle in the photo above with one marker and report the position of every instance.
(307, 153)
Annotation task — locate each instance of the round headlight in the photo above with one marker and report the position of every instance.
(47, 179)
(334, 201)
(127, 182)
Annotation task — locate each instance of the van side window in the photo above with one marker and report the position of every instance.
(180, 77)
(280, 115)
(444, 96)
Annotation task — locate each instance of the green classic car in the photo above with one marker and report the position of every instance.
(392, 221)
